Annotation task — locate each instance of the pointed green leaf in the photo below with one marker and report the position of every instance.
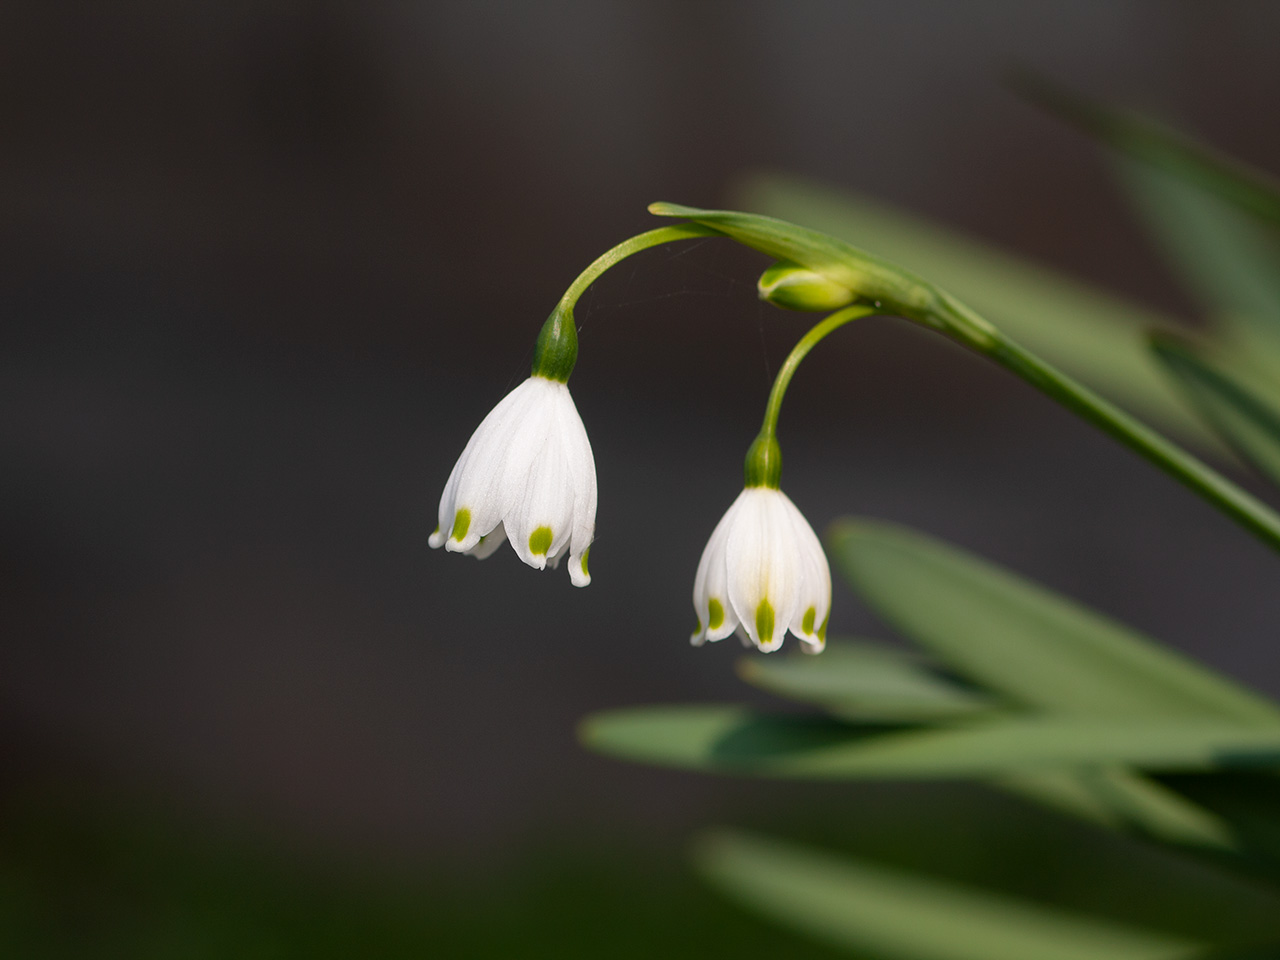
(866, 681)
(1094, 336)
(888, 913)
(736, 740)
(1244, 417)
(1141, 138)
(1023, 641)
(1125, 800)
(1225, 257)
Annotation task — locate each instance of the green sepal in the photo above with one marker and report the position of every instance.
(793, 287)
(763, 467)
(557, 348)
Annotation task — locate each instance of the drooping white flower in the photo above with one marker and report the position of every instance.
(763, 572)
(527, 474)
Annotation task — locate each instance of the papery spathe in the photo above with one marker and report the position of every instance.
(526, 474)
(763, 572)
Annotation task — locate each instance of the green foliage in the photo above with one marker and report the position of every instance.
(888, 913)
(1246, 417)
(1054, 703)
(1021, 689)
(1094, 336)
(1222, 255)
(1159, 147)
(881, 285)
(868, 681)
(1034, 647)
(733, 739)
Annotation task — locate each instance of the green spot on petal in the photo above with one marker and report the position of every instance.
(822, 630)
(585, 553)
(436, 530)
(764, 621)
(809, 616)
(461, 523)
(540, 541)
(715, 614)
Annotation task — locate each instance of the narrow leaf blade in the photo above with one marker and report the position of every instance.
(866, 681)
(1023, 641)
(1143, 139)
(1244, 417)
(883, 912)
(1094, 336)
(731, 739)
(1128, 801)
(1225, 257)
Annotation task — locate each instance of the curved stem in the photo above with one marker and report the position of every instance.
(806, 343)
(1242, 506)
(1259, 519)
(897, 291)
(643, 241)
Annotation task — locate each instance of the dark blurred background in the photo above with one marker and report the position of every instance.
(265, 267)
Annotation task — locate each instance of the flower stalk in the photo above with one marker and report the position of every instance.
(527, 474)
(893, 290)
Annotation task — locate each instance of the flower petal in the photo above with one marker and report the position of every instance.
(498, 460)
(809, 622)
(582, 477)
(541, 521)
(764, 567)
(716, 616)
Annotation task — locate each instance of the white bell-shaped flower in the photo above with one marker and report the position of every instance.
(527, 474)
(763, 572)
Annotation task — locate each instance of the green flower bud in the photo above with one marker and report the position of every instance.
(793, 287)
(557, 348)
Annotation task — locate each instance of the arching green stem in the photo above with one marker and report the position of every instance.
(799, 352)
(557, 348)
(763, 466)
(897, 291)
(643, 241)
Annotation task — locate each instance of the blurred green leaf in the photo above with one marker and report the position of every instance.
(866, 681)
(1094, 336)
(1025, 642)
(737, 740)
(1227, 259)
(1246, 419)
(1127, 801)
(874, 682)
(888, 913)
(1245, 187)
